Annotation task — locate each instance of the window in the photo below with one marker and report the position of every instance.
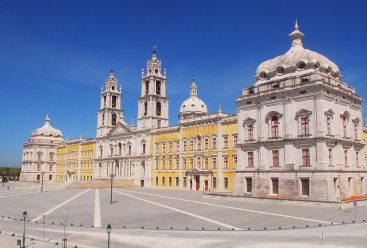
(198, 163)
(158, 88)
(38, 177)
(120, 146)
(226, 183)
(214, 163)
(170, 164)
(225, 162)
(50, 167)
(275, 185)
(305, 187)
(330, 157)
(250, 132)
(235, 140)
(305, 157)
(304, 126)
(206, 143)
(357, 161)
(250, 158)
(184, 182)
(170, 181)
(275, 158)
(101, 152)
(159, 108)
(214, 182)
(177, 182)
(355, 131)
(206, 163)
(145, 108)
(170, 146)
(113, 119)
(38, 167)
(184, 163)
(274, 127)
(328, 124)
(191, 145)
(345, 157)
(199, 144)
(51, 156)
(214, 143)
(113, 101)
(156, 181)
(163, 164)
(50, 177)
(225, 143)
(185, 146)
(143, 148)
(157, 164)
(146, 87)
(234, 162)
(191, 163)
(39, 156)
(177, 146)
(177, 164)
(159, 124)
(344, 126)
(157, 148)
(163, 181)
(111, 151)
(248, 185)
(104, 101)
(164, 147)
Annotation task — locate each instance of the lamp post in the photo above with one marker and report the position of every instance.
(24, 217)
(108, 231)
(42, 180)
(3, 177)
(355, 211)
(111, 176)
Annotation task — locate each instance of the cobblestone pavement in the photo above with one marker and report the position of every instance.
(163, 218)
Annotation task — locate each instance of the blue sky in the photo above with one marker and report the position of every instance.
(55, 55)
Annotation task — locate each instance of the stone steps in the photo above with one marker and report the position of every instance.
(102, 183)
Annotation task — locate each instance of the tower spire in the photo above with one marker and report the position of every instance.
(193, 88)
(296, 36)
(296, 26)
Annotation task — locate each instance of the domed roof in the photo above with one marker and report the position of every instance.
(46, 131)
(193, 104)
(294, 57)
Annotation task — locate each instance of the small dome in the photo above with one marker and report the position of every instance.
(297, 57)
(46, 131)
(193, 106)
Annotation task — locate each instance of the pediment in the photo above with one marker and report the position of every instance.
(303, 112)
(329, 112)
(249, 120)
(119, 129)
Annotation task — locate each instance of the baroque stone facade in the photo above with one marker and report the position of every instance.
(300, 130)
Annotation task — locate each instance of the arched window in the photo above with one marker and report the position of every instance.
(113, 101)
(344, 126)
(113, 119)
(274, 127)
(159, 108)
(146, 87)
(145, 108)
(39, 156)
(51, 156)
(158, 88)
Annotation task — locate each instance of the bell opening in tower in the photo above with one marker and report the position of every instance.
(113, 119)
(146, 87)
(159, 108)
(145, 108)
(113, 101)
(158, 88)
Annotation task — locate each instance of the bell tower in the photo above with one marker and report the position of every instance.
(110, 112)
(153, 103)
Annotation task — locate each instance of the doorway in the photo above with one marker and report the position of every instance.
(206, 185)
(197, 179)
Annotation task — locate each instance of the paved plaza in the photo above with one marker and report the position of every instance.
(163, 218)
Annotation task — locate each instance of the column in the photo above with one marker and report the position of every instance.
(219, 158)
(320, 123)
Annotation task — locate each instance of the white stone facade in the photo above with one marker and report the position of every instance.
(300, 131)
(39, 154)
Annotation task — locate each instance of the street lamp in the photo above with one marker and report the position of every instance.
(111, 176)
(42, 180)
(355, 210)
(24, 217)
(108, 231)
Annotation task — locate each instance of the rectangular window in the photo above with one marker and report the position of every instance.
(170, 164)
(198, 163)
(214, 163)
(39, 167)
(234, 162)
(214, 182)
(206, 144)
(250, 132)
(304, 126)
(163, 181)
(191, 145)
(206, 163)
(305, 157)
(170, 181)
(156, 181)
(344, 126)
(184, 164)
(159, 123)
(199, 144)
(191, 163)
(164, 147)
(157, 164)
(345, 157)
(214, 143)
(163, 164)
(357, 161)
(250, 159)
(330, 157)
(355, 131)
(275, 158)
(185, 146)
(225, 143)
(225, 164)
(177, 146)
(305, 187)
(274, 127)
(38, 177)
(275, 185)
(235, 141)
(328, 124)
(51, 165)
(143, 148)
(248, 185)
(226, 183)
(50, 177)
(184, 182)
(177, 182)
(177, 164)
(170, 146)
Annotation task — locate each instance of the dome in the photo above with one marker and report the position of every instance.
(193, 105)
(296, 58)
(46, 131)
